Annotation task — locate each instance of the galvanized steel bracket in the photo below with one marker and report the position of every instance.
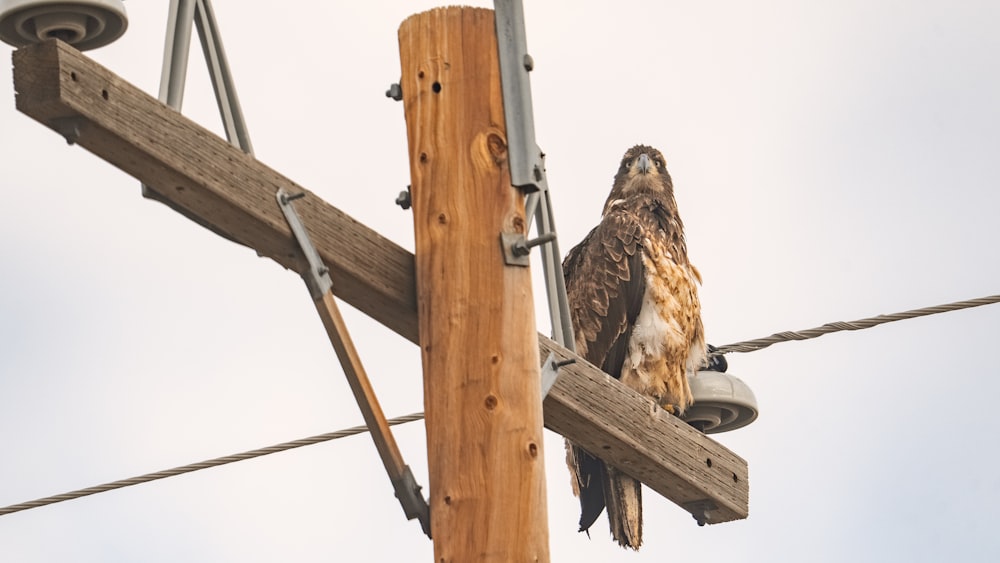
(413, 502)
(527, 164)
(550, 372)
(317, 277)
(701, 510)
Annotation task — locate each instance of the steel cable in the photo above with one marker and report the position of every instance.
(760, 343)
(201, 465)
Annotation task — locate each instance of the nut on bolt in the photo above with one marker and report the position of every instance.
(403, 199)
(395, 91)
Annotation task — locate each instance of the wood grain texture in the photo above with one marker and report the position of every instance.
(219, 183)
(482, 394)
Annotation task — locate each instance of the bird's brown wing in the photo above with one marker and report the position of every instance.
(605, 285)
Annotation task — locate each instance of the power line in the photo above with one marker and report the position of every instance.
(202, 465)
(760, 343)
(745, 346)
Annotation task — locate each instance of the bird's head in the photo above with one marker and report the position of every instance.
(643, 171)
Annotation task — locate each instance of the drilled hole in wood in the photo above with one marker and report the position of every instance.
(104, 94)
(447, 500)
(708, 462)
(533, 449)
(72, 76)
(735, 478)
(436, 87)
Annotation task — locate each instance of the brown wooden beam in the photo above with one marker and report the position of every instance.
(205, 175)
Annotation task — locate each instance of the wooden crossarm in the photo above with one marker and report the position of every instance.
(216, 182)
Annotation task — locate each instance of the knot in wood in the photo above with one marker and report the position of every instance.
(497, 147)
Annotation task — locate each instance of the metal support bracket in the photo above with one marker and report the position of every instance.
(517, 248)
(69, 128)
(700, 509)
(317, 278)
(527, 164)
(412, 500)
(182, 15)
(550, 372)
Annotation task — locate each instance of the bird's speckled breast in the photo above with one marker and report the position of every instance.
(668, 339)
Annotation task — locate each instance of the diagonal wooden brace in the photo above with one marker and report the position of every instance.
(317, 278)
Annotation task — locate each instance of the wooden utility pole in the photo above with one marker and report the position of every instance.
(482, 394)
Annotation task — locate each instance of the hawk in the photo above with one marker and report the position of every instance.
(633, 297)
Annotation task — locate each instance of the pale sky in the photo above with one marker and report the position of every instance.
(831, 161)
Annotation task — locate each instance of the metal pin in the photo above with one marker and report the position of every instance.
(285, 198)
(523, 248)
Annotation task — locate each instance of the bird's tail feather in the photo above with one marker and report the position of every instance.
(598, 485)
(623, 496)
(588, 475)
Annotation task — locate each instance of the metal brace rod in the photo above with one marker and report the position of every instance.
(317, 278)
(181, 16)
(555, 283)
(222, 79)
(527, 166)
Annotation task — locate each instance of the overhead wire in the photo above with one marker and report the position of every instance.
(216, 462)
(828, 328)
(744, 346)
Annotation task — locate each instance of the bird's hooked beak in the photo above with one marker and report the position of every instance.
(643, 164)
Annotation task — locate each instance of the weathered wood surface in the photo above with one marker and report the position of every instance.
(482, 394)
(64, 90)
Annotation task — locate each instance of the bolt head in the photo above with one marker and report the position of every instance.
(395, 92)
(538, 173)
(403, 199)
